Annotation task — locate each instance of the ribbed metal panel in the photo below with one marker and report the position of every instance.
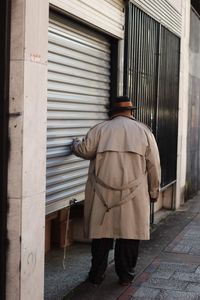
(168, 95)
(163, 12)
(152, 55)
(142, 64)
(107, 15)
(78, 93)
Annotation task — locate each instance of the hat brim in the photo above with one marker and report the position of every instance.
(122, 108)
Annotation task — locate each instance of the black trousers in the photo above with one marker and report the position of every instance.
(126, 254)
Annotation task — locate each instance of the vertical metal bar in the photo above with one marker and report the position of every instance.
(140, 65)
(134, 47)
(158, 80)
(137, 58)
(154, 72)
(143, 69)
(131, 22)
(149, 70)
(127, 48)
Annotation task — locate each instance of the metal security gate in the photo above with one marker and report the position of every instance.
(164, 12)
(142, 64)
(152, 55)
(78, 94)
(168, 94)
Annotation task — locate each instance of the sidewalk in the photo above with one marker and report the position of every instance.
(168, 266)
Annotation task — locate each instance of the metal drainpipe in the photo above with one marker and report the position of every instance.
(5, 17)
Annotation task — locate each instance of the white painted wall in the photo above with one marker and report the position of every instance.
(183, 104)
(27, 157)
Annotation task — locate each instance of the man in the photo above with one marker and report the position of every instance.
(124, 176)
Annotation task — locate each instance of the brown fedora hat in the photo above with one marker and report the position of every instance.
(122, 103)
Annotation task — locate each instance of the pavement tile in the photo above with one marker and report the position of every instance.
(178, 267)
(169, 284)
(176, 295)
(192, 287)
(141, 279)
(153, 266)
(195, 251)
(198, 270)
(191, 241)
(146, 293)
(162, 274)
(182, 248)
(188, 277)
(175, 242)
(193, 234)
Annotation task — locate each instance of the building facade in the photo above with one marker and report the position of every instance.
(68, 60)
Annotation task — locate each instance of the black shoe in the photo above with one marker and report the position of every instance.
(125, 282)
(97, 280)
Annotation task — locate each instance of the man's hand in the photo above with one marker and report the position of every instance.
(74, 142)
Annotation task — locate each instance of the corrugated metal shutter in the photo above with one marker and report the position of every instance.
(163, 12)
(107, 15)
(78, 92)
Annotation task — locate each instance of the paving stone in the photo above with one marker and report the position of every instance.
(191, 241)
(198, 270)
(193, 233)
(152, 267)
(178, 267)
(182, 248)
(193, 227)
(163, 274)
(195, 251)
(176, 295)
(192, 287)
(191, 277)
(169, 284)
(146, 293)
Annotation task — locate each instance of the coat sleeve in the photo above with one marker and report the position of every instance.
(87, 148)
(153, 167)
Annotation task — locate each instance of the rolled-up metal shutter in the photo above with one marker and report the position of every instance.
(107, 15)
(78, 93)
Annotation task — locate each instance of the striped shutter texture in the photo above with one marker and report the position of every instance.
(78, 92)
(108, 15)
(163, 12)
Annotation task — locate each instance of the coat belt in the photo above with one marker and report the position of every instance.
(132, 185)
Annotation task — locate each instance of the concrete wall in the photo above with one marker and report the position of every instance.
(27, 157)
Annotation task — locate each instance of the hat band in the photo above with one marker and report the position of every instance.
(124, 104)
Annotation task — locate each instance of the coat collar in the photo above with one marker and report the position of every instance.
(116, 116)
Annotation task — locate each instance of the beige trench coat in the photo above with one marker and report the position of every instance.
(124, 167)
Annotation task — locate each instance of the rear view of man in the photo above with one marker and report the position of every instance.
(124, 176)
